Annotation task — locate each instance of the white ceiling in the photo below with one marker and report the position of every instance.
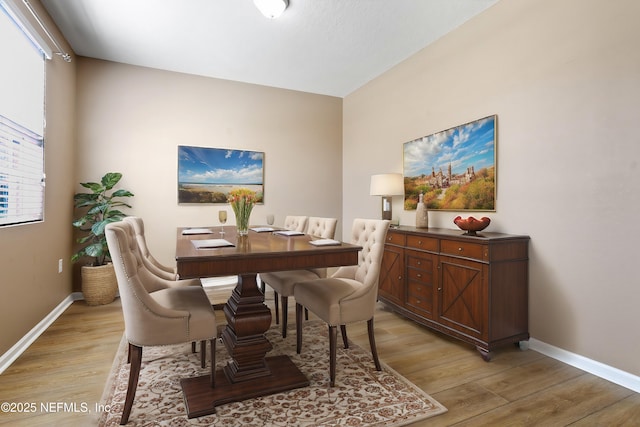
(329, 47)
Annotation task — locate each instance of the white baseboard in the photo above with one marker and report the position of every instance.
(14, 352)
(601, 370)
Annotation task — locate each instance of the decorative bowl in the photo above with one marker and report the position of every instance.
(472, 225)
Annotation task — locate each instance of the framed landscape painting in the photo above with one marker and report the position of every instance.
(454, 169)
(207, 175)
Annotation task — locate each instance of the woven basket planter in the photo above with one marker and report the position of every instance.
(99, 285)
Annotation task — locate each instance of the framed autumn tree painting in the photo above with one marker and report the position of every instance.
(454, 169)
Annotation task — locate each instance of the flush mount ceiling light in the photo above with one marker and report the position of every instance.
(271, 8)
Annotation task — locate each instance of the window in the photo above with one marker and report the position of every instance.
(21, 174)
(22, 81)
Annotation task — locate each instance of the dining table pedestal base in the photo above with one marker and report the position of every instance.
(248, 318)
(201, 399)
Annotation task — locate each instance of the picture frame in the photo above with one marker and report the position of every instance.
(454, 169)
(207, 175)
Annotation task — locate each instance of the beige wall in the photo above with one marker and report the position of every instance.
(30, 283)
(132, 119)
(564, 79)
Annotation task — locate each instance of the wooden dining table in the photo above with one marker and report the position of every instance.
(250, 372)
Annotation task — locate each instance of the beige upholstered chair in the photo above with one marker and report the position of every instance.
(150, 262)
(169, 315)
(291, 222)
(154, 268)
(297, 223)
(350, 294)
(282, 282)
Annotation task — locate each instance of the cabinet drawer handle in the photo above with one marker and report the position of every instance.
(419, 276)
(460, 249)
(399, 277)
(420, 242)
(419, 263)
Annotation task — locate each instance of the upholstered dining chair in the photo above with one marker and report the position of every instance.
(296, 223)
(291, 222)
(155, 268)
(350, 294)
(282, 282)
(151, 263)
(169, 315)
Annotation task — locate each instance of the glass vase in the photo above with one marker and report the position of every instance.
(242, 222)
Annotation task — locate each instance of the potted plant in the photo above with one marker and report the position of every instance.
(101, 205)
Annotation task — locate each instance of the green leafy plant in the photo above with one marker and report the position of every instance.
(102, 208)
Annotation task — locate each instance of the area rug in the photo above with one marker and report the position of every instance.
(361, 396)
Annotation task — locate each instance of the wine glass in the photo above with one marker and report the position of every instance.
(222, 217)
(270, 219)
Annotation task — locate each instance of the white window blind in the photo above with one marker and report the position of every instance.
(21, 174)
(21, 126)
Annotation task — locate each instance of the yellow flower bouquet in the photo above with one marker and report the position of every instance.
(242, 201)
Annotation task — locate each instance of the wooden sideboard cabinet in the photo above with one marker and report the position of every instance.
(474, 288)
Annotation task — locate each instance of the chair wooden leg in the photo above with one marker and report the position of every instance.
(275, 303)
(213, 362)
(193, 346)
(284, 303)
(203, 353)
(372, 343)
(343, 332)
(306, 314)
(333, 337)
(134, 373)
(298, 328)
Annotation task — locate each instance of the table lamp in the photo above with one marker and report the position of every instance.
(387, 185)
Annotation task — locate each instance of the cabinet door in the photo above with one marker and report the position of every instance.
(463, 293)
(391, 281)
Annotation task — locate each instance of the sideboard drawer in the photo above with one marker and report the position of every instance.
(464, 249)
(420, 296)
(424, 243)
(420, 275)
(396, 238)
(422, 263)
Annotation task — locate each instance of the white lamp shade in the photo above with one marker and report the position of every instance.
(387, 184)
(271, 8)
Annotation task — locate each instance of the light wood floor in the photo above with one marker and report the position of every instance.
(70, 363)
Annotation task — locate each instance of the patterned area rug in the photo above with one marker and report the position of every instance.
(362, 396)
